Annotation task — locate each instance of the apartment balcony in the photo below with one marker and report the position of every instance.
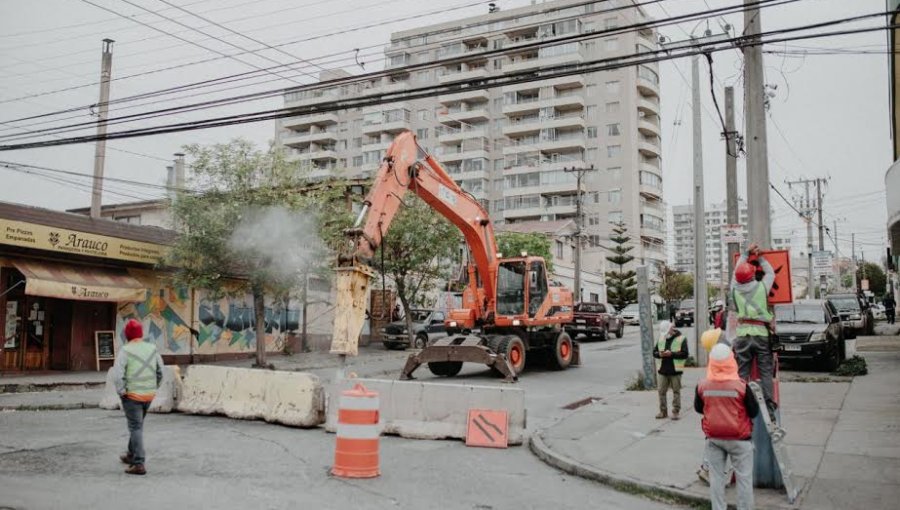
(649, 146)
(653, 234)
(564, 82)
(564, 142)
(310, 97)
(318, 154)
(387, 126)
(654, 251)
(648, 105)
(473, 95)
(656, 207)
(559, 163)
(529, 63)
(450, 156)
(522, 106)
(377, 146)
(303, 123)
(464, 76)
(648, 87)
(448, 134)
(454, 116)
(648, 127)
(573, 99)
(298, 139)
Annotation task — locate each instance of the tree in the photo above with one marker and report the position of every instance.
(417, 251)
(511, 244)
(872, 272)
(621, 286)
(253, 220)
(674, 285)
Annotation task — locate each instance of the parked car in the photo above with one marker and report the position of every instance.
(595, 320)
(427, 325)
(631, 314)
(684, 315)
(855, 313)
(810, 330)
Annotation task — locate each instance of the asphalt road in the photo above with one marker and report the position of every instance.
(68, 459)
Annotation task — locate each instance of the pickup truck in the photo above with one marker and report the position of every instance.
(684, 316)
(595, 320)
(427, 325)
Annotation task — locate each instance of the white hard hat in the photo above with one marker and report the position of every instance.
(720, 304)
(720, 352)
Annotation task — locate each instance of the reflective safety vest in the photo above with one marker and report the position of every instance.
(140, 370)
(752, 305)
(724, 413)
(675, 347)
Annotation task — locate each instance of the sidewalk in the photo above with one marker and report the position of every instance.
(77, 390)
(842, 438)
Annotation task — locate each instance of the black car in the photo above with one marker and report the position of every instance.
(810, 330)
(684, 315)
(856, 315)
(426, 324)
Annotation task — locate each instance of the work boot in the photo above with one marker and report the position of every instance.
(662, 415)
(675, 415)
(703, 475)
(136, 469)
(126, 458)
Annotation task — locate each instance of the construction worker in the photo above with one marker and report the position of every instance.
(750, 298)
(670, 351)
(728, 406)
(137, 373)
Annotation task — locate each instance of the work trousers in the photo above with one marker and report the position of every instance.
(741, 453)
(134, 413)
(748, 348)
(663, 383)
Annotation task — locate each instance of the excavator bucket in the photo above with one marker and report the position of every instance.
(350, 308)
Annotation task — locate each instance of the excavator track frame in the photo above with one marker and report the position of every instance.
(459, 349)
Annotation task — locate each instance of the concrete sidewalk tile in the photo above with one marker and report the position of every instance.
(810, 427)
(805, 459)
(881, 470)
(813, 395)
(837, 494)
(869, 421)
(881, 444)
(582, 425)
(593, 450)
(665, 461)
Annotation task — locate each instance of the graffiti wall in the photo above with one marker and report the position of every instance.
(228, 324)
(165, 314)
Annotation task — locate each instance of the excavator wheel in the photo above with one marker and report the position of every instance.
(445, 368)
(513, 348)
(563, 351)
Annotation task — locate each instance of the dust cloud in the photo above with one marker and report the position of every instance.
(282, 242)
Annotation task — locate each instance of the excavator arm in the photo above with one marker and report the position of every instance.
(406, 166)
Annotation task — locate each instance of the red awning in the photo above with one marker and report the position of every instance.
(83, 283)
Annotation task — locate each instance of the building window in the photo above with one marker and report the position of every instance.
(422, 134)
(615, 173)
(593, 219)
(342, 127)
(615, 196)
(592, 132)
(422, 114)
(357, 161)
(595, 298)
(357, 143)
(611, 44)
(591, 155)
(612, 87)
(559, 250)
(610, 23)
(134, 220)
(590, 112)
(498, 103)
(612, 107)
(423, 76)
(615, 217)
(613, 150)
(613, 130)
(591, 90)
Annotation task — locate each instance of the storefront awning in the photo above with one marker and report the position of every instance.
(82, 283)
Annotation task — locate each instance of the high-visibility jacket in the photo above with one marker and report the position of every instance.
(724, 412)
(141, 367)
(675, 347)
(752, 305)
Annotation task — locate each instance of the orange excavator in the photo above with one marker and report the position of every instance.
(510, 308)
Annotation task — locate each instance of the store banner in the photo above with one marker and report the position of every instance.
(82, 283)
(42, 237)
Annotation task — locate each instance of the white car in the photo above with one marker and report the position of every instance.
(631, 314)
(878, 312)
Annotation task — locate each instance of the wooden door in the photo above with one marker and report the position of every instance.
(60, 325)
(88, 317)
(35, 335)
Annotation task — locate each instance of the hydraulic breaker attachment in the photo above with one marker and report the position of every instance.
(446, 356)
(350, 308)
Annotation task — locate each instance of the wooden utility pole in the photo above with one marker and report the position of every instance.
(760, 230)
(102, 112)
(579, 225)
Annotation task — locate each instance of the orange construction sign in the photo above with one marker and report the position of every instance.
(781, 262)
(487, 428)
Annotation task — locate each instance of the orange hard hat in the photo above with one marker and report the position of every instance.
(744, 272)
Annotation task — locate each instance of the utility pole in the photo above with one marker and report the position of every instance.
(701, 302)
(646, 323)
(579, 225)
(103, 110)
(757, 151)
(731, 192)
(853, 260)
(807, 208)
(840, 281)
(823, 285)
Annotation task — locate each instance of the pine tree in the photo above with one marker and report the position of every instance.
(621, 286)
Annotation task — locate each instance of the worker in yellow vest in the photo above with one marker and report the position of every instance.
(671, 351)
(137, 373)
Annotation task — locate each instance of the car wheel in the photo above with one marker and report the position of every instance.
(832, 361)
(621, 330)
(421, 341)
(604, 335)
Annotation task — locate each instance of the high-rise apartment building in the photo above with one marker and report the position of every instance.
(716, 250)
(509, 146)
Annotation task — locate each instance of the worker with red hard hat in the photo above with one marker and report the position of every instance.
(750, 297)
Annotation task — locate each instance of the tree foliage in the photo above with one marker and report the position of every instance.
(417, 251)
(512, 244)
(621, 285)
(872, 272)
(674, 285)
(255, 217)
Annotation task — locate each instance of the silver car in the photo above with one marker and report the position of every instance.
(631, 314)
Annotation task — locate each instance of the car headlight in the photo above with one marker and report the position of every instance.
(384, 331)
(817, 337)
(855, 317)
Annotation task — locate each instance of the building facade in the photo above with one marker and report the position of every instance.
(716, 250)
(509, 146)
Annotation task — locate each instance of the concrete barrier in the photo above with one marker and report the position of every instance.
(426, 410)
(290, 398)
(166, 398)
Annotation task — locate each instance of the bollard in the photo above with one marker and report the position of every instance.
(356, 446)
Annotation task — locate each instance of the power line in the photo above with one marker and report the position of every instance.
(162, 187)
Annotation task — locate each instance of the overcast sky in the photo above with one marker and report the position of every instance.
(828, 117)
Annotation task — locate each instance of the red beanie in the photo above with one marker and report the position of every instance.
(133, 329)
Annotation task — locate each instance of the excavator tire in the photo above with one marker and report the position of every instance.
(563, 351)
(514, 349)
(445, 368)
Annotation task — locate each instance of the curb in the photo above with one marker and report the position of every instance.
(617, 482)
(12, 388)
(49, 407)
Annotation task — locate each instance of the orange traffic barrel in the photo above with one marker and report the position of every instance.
(356, 448)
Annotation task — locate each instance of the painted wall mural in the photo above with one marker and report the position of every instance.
(227, 324)
(165, 314)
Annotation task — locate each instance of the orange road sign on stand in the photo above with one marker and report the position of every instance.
(781, 262)
(487, 428)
